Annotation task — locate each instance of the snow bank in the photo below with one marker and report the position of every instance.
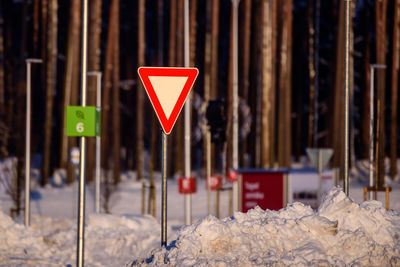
(109, 240)
(340, 233)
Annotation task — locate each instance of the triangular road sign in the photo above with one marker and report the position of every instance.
(167, 89)
(319, 157)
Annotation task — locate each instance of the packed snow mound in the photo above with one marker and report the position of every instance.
(109, 240)
(340, 233)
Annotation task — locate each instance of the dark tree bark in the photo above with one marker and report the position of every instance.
(108, 67)
(395, 89)
(284, 115)
(246, 33)
(73, 53)
(337, 134)
(381, 49)
(51, 63)
(116, 105)
(93, 65)
(2, 55)
(140, 92)
(311, 72)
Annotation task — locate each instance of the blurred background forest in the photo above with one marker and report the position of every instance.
(291, 80)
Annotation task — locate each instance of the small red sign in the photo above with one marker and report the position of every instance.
(167, 89)
(232, 175)
(187, 185)
(215, 182)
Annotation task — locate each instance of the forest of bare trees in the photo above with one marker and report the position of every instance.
(291, 79)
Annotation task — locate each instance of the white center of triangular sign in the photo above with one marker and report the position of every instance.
(168, 90)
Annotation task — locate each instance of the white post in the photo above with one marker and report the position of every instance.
(188, 208)
(28, 140)
(81, 203)
(98, 142)
(235, 100)
(346, 100)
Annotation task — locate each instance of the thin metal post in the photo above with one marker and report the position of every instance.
(98, 142)
(164, 192)
(346, 101)
(208, 169)
(188, 208)
(371, 125)
(28, 140)
(81, 203)
(235, 104)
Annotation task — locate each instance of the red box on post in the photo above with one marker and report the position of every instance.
(232, 175)
(187, 185)
(215, 182)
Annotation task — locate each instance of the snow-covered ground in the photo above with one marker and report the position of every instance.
(342, 232)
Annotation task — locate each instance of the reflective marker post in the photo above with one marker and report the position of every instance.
(28, 140)
(98, 143)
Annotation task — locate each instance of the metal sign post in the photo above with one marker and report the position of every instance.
(371, 125)
(81, 203)
(28, 139)
(346, 100)
(98, 142)
(164, 191)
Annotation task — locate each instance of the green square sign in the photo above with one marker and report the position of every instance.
(83, 121)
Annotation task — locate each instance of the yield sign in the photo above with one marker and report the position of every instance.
(167, 89)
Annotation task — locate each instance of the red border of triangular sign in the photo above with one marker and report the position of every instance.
(144, 73)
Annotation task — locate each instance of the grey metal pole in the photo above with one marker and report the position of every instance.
(188, 104)
(98, 142)
(208, 168)
(346, 101)
(28, 140)
(235, 100)
(164, 191)
(81, 203)
(371, 124)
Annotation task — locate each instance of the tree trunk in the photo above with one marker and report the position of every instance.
(193, 31)
(93, 65)
(246, 70)
(178, 131)
(337, 134)
(381, 46)
(2, 55)
(364, 131)
(171, 63)
(140, 93)
(395, 88)
(36, 28)
(108, 67)
(284, 116)
(311, 72)
(51, 63)
(268, 87)
(73, 50)
(116, 107)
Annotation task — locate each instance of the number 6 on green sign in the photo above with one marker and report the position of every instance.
(83, 121)
(80, 127)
